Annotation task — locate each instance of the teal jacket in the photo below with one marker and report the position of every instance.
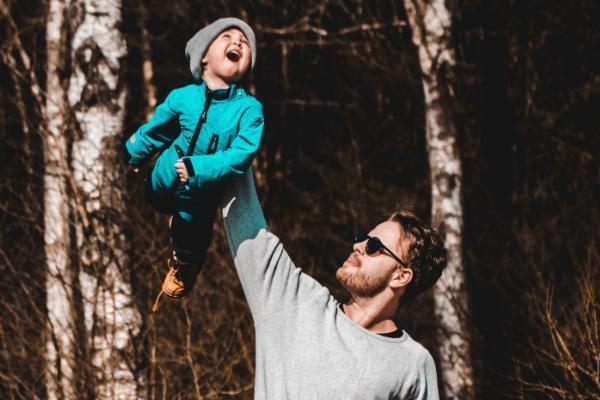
(228, 140)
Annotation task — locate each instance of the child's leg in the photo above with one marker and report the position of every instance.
(190, 241)
(164, 203)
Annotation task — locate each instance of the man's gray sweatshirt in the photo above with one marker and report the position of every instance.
(306, 347)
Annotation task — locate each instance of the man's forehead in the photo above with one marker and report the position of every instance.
(388, 232)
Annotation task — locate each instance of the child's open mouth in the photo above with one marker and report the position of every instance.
(233, 55)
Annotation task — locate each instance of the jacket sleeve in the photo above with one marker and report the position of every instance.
(155, 134)
(210, 169)
(269, 278)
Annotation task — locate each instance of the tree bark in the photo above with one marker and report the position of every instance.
(59, 348)
(147, 66)
(430, 23)
(97, 97)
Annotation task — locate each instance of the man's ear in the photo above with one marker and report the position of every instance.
(401, 278)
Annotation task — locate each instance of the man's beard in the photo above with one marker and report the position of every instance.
(360, 284)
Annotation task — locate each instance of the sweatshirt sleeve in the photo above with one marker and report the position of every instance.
(270, 280)
(155, 134)
(210, 169)
(428, 386)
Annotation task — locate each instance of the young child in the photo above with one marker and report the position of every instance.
(208, 132)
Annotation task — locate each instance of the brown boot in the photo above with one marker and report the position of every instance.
(179, 280)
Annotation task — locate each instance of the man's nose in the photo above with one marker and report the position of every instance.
(359, 247)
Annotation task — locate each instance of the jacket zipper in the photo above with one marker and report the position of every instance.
(208, 98)
(190, 150)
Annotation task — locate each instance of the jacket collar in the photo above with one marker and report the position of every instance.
(230, 93)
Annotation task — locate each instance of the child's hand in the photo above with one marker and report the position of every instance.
(181, 171)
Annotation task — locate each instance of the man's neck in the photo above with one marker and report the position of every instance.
(374, 314)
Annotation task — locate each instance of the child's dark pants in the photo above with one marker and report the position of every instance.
(189, 240)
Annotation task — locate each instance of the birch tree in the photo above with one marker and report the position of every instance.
(96, 95)
(90, 104)
(430, 23)
(60, 355)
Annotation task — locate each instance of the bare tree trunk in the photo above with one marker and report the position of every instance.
(60, 354)
(430, 24)
(97, 96)
(147, 68)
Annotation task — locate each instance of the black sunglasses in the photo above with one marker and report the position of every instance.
(374, 245)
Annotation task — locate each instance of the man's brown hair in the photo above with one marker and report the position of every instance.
(426, 255)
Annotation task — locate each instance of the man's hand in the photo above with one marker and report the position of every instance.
(181, 171)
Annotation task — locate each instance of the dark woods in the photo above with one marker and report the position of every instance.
(344, 146)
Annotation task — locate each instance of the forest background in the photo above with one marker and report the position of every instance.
(344, 145)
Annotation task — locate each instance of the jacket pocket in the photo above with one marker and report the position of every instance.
(213, 144)
(218, 141)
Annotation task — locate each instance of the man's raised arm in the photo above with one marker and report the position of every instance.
(270, 280)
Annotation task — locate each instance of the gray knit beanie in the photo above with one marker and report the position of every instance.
(196, 47)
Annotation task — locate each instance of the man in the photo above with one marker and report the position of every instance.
(309, 346)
